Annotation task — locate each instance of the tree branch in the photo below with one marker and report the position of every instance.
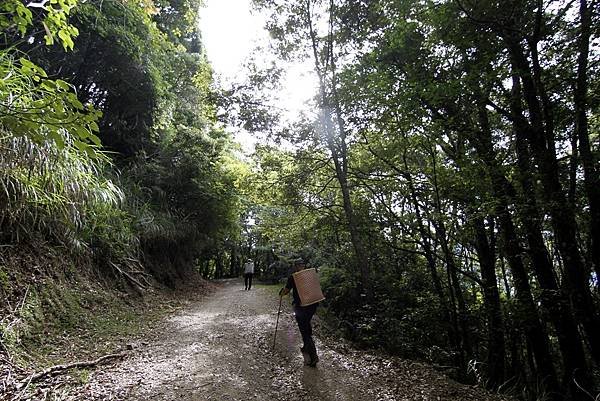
(54, 370)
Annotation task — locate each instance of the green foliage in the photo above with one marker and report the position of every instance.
(179, 20)
(339, 285)
(438, 105)
(17, 18)
(276, 272)
(110, 230)
(137, 83)
(403, 317)
(43, 109)
(51, 189)
(49, 156)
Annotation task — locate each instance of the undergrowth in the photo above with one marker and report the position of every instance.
(61, 314)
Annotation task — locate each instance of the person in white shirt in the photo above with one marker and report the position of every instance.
(248, 273)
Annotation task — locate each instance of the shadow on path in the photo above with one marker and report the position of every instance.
(221, 349)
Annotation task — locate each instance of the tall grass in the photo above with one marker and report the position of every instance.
(52, 173)
(52, 191)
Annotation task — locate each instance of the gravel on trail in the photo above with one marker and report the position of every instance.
(220, 348)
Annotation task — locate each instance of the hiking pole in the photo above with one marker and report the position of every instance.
(277, 324)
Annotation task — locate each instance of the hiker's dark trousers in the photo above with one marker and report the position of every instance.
(248, 280)
(304, 315)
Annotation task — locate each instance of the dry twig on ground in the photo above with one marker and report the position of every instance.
(139, 286)
(54, 370)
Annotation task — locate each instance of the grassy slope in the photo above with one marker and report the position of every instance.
(56, 309)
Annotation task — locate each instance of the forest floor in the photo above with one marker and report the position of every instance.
(221, 348)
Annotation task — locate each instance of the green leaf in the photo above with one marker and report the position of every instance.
(49, 85)
(59, 109)
(74, 101)
(81, 132)
(27, 64)
(63, 85)
(95, 140)
(58, 139)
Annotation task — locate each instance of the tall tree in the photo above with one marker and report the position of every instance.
(332, 130)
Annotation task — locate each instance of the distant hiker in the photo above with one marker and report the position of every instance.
(248, 273)
(303, 314)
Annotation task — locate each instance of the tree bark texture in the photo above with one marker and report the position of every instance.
(590, 169)
(493, 310)
(336, 143)
(552, 300)
(562, 216)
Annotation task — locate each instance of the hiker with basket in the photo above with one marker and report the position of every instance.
(306, 293)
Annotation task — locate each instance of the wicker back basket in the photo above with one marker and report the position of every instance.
(309, 289)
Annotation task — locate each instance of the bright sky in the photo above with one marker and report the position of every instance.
(230, 32)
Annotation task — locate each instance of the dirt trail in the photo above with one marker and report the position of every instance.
(220, 349)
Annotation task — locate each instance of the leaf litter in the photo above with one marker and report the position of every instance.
(220, 348)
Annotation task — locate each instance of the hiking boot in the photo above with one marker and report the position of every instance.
(313, 361)
(306, 356)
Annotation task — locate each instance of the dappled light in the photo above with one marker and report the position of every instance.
(221, 348)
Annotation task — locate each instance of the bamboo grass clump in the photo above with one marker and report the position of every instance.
(52, 190)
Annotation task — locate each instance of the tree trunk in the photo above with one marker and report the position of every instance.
(219, 265)
(491, 298)
(453, 281)
(562, 216)
(505, 278)
(233, 272)
(591, 176)
(533, 329)
(336, 143)
(552, 299)
(456, 291)
(429, 255)
(514, 369)
(527, 314)
(206, 268)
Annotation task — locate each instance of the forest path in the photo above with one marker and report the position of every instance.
(221, 349)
